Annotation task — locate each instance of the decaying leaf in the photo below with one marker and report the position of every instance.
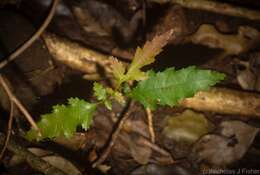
(248, 72)
(224, 147)
(17, 159)
(56, 161)
(62, 164)
(186, 127)
(154, 169)
(140, 153)
(208, 35)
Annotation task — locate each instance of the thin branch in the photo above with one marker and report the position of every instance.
(218, 7)
(20, 106)
(150, 124)
(9, 129)
(34, 161)
(115, 134)
(36, 35)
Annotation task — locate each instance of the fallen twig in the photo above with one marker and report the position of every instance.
(9, 129)
(17, 102)
(216, 7)
(225, 101)
(36, 35)
(115, 134)
(34, 161)
(76, 56)
(150, 124)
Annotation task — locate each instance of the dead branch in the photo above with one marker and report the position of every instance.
(34, 161)
(115, 134)
(225, 101)
(150, 124)
(9, 129)
(216, 7)
(77, 56)
(35, 36)
(17, 102)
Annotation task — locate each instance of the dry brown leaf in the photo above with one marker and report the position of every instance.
(228, 146)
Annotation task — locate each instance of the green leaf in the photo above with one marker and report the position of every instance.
(64, 119)
(170, 86)
(100, 92)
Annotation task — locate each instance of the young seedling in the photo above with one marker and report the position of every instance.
(152, 89)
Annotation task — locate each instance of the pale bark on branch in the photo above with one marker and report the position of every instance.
(216, 7)
(225, 101)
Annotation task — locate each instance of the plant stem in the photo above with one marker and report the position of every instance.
(115, 134)
(150, 124)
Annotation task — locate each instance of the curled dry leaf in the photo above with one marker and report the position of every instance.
(226, 146)
(248, 72)
(235, 44)
(246, 78)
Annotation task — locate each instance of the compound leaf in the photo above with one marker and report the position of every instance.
(170, 86)
(64, 119)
